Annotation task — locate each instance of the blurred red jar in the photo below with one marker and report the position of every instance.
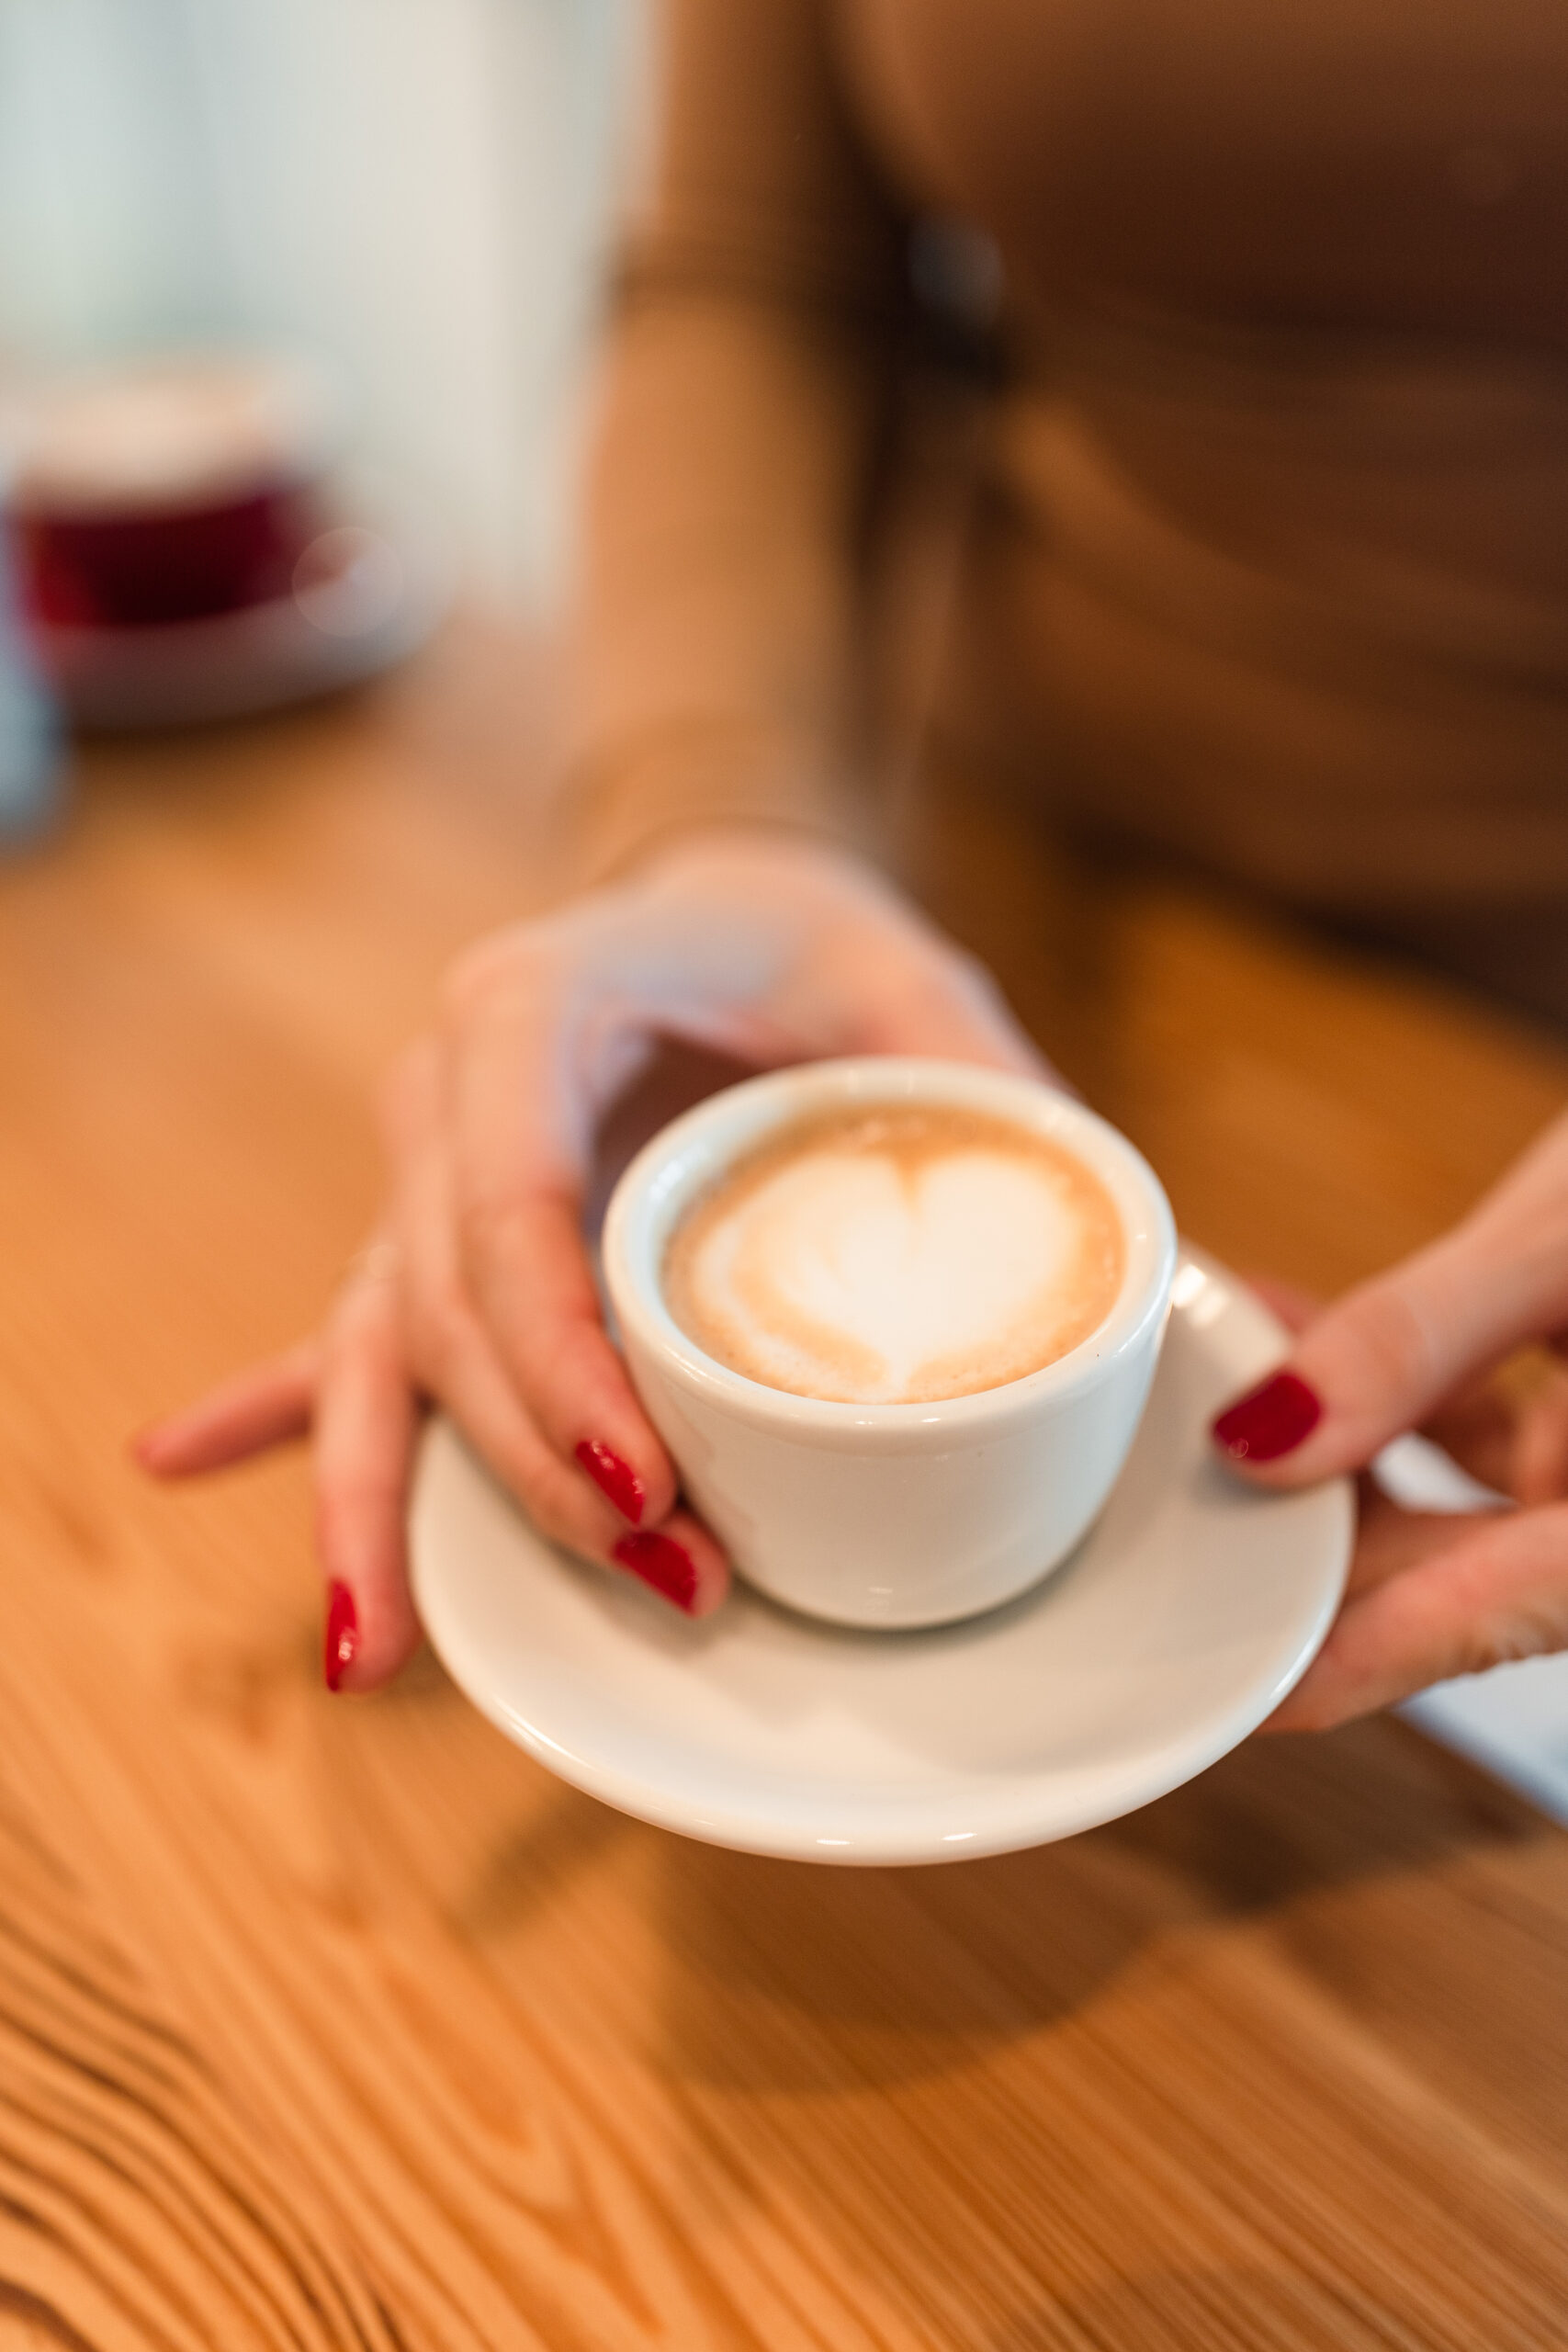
(174, 490)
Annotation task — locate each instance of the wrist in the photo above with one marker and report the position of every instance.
(630, 809)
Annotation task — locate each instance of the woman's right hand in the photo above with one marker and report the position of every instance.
(477, 1293)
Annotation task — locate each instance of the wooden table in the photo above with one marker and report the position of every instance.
(341, 2023)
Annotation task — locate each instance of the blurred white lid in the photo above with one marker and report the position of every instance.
(179, 430)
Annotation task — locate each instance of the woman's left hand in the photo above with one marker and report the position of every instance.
(1433, 1596)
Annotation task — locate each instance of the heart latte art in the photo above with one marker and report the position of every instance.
(896, 1254)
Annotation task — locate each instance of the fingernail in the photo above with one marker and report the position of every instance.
(613, 1477)
(1271, 1420)
(342, 1635)
(660, 1561)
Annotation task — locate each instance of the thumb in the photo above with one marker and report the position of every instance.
(928, 997)
(1376, 1362)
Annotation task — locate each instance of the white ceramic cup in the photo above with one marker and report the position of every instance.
(889, 1515)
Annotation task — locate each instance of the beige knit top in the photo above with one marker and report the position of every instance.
(1272, 566)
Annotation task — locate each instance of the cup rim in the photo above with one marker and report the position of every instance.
(669, 1171)
(300, 441)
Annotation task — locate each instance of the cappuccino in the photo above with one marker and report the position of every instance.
(896, 1253)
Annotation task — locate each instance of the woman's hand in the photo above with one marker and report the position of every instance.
(1434, 1596)
(477, 1293)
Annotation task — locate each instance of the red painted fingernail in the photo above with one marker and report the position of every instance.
(342, 1635)
(1271, 1420)
(613, 1477)
(660, 1561)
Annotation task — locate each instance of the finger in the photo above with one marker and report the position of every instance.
(938, 1003)
(1517, 1449)
(268, 1405)
(463, 1371)
(367, 1417)
(1538, 1469)
(458, 1363)
(516, 1176)
(1375, 1364)
(1511, 1440)
(1390, 1539)
(827, 956)
(679, 1561)
(1496, 1590)
(1478, 1429)
(1291, 1305)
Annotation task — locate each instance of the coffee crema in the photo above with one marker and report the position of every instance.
(896, 1253)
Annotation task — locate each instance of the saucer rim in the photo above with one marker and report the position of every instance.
(1009, 1828)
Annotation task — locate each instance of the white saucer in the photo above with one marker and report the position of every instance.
(1180, 1622)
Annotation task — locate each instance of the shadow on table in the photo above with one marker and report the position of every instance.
(522, 1877)
(789, 1975)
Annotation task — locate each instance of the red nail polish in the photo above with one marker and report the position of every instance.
(342, 1635)
(613, 1477)
(660, 1561)
(1271, 1420)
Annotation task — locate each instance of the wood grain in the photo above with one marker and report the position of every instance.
(328, 2023)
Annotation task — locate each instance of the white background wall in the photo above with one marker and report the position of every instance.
(420, 190)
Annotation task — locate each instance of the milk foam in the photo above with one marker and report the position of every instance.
(898, 1255)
